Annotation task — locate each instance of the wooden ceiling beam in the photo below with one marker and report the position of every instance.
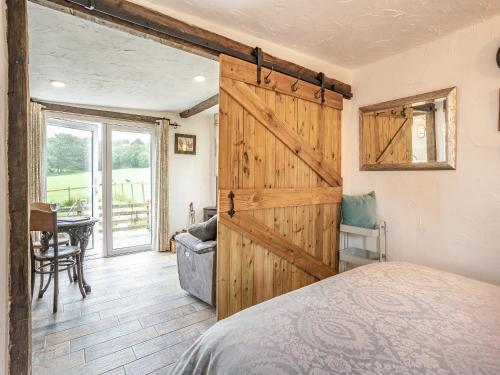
(185, 36)
(200, 107)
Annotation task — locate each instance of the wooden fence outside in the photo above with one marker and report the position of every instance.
(125, 189)
(125, 216)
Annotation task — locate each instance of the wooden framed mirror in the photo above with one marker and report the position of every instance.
(413, 133)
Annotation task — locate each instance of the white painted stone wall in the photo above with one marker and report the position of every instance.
(445, 219)
(3, 194)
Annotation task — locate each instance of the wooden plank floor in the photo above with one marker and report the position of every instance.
(136, 320)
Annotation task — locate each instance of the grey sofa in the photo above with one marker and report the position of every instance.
(196, 261)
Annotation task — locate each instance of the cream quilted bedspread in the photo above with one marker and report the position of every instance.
(386, 318)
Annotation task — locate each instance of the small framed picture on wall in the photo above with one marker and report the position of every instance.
(185, 144)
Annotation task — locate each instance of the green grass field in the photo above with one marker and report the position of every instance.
(79, 184)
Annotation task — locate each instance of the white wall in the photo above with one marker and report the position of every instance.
(191, 176)
(445, 219)
(3, 194)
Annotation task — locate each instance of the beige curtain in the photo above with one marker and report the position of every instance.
(36, 153)
(160, 211)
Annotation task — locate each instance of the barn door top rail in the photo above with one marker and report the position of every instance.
(168, 26)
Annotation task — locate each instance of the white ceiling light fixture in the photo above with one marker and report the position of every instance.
(199, 78)
(59, 84)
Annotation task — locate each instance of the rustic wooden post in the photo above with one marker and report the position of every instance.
(19, 292)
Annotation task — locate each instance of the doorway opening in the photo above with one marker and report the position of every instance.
(115, 148)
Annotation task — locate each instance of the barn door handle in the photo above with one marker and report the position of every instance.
(231, 210)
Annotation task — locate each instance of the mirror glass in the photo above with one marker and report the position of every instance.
(418, 132)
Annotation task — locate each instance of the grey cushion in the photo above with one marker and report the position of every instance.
(206, 231)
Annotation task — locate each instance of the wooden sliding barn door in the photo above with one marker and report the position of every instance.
(279, 185)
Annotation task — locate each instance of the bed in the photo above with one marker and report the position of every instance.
(385, 318)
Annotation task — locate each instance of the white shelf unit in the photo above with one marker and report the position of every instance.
(359, 256)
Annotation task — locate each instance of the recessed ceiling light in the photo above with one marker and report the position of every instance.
(199, 78)
(58, 83)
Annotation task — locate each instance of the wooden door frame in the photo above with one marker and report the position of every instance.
(19, 299)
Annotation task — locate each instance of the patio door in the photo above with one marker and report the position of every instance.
(71, 169)
(128, 180)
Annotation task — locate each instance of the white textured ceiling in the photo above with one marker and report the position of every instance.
(349, 33)
(106, 67)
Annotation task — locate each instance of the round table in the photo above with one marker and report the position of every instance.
(79, 229)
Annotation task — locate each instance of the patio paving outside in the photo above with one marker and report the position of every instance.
(121, 240)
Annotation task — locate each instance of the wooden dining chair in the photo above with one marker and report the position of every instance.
(50, 258)
(61, 241)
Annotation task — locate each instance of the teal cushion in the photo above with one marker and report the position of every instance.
(360, 210)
